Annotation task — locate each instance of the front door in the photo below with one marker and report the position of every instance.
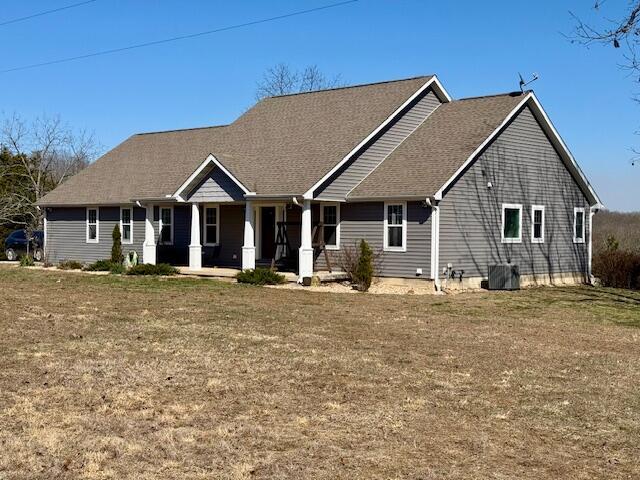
(268, 232)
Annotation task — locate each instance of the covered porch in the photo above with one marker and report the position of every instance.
(219, 239)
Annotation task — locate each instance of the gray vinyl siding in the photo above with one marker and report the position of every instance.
(524, 168)
(66, 234)
(366, 221)
(216, 187)
(340, 184)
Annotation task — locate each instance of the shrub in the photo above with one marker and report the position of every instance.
(99, 266)
(148, 269)
(118, 269)
(260, 276)
(350, 256)
(26, 261)
(116, 249)
(69, 265)
(617, 268)
(363, 274)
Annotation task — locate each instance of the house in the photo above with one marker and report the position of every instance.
(440, 187)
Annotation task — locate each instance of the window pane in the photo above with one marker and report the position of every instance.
(395, 236)
(330, 235)
(537, 216)
(579, 224)
(330, 215)
(92, 232)
(93, 216)
(211, 233)
(165, 234)
(511, 223)
(126, 232)
(394, 214)
(211, 216)
(126, 216)
(537, 230)
(166, 216)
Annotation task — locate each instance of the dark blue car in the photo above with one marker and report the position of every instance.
(15, 245)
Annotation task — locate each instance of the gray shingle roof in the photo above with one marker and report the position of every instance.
(283, 145)
(437, 149)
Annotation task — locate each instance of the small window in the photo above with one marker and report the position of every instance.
(395, 228)
(126, 229)
(578, 225)
(511, 223)
(92, 225)
(537, 224)
(211, 226)
(330, 218)
(166, 225)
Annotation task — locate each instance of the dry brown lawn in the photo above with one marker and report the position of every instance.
(116, 377)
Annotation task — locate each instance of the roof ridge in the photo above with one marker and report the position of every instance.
(344, 87)
(515, 93)
(180, 130)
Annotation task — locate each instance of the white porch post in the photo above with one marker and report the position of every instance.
(249, 247)
(195, 247)
(149, 246)
(305, 256)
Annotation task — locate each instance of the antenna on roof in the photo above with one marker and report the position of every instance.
(523, 84)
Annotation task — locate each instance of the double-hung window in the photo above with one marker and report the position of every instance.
(511, 223)
(166, 225)
(211, 222)
(330, 219)
(537, 224)
(395, 227)
(578, 225)
(126, 225)
(93, 225)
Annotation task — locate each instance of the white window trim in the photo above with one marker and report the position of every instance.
(130, 241)
(204, 225)
(337, 205)
(514, 206)
(97, 239)
(387, 248)
(535, 208)
(160, 242)
(575, 218)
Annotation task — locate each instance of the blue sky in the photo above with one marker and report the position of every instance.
(476, 48)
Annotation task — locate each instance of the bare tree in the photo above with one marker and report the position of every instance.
(48, 152)
(281, 79)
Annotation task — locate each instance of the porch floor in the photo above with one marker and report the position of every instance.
(221, 272)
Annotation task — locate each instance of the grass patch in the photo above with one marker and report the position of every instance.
(192, 378)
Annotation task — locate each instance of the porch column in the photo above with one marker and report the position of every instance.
(149, 245)
(305, 256)
(195, 247)
(249, 247)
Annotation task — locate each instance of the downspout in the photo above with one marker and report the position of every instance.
(592, 212)
(435, 241)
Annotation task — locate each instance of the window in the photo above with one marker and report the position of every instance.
(511, 223)
(166, 225)
(537, 224)
(578, 225)
(126, 229)
(93, 227)
(330, 218)
(395, 227)
(211, 226)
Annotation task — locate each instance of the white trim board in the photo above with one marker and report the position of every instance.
(432, 82)
(210, 160)
(564, 153)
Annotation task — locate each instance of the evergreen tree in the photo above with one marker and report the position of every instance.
(116, 249)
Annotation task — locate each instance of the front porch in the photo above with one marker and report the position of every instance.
(218, 239)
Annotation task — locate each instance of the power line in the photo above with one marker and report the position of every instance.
(47, 12)
(181, 37)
